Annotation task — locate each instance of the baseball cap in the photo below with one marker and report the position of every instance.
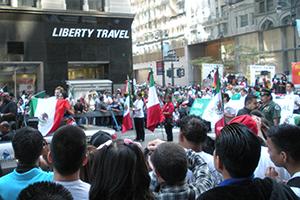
(265, 92)
(247, 121)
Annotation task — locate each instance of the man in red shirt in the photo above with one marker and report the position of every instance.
(167, 111)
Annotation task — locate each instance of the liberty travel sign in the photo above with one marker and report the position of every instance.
(90, 33)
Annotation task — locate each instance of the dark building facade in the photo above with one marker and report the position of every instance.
(42, 49)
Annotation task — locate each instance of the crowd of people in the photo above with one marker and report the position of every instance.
(107, 168)
(252, 155)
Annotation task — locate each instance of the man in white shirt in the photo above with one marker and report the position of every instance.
(292, 97)
(138, 117)
(68, 154)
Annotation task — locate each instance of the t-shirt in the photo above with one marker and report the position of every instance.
(79, 189)
(139, 106)
(265, 162)
(13, 183)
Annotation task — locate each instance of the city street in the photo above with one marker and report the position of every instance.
(158, 133)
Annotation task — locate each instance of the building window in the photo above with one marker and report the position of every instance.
(262, 7)
(28, 3)
(4, 2)
(74, 4)
(270, 5)
(236, 22)
(244, 20)
(96, 5)
(267, 25)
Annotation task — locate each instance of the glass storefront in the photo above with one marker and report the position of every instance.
(91, 71)
(15, 78)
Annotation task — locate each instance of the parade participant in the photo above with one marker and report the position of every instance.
(284, 149)
(61, 94)
(250, 104)
(68, 154)
(167, 111)
(269, 108)
(138, 117)
(28, 146)
(119, 171)
(292, 97)
(236, 157)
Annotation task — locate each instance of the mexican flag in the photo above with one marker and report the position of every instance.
(49, 111)
(154, 113)
(214, 110)
(127, 121)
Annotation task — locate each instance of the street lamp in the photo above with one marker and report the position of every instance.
(293, 18)
(161, 39)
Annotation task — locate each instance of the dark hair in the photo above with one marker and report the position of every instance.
(68, 148)
(238, 149)
(226, 96)
(120, 172)
(45, 191)
(286, 138)
(290, 83)
(99, 138)
(249, 98)
(257, 113)
(170, 161)
(27, 145)
(194, 129)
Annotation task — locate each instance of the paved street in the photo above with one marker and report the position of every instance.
(158, 133)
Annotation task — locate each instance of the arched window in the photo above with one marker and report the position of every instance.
(268, 24)
(286, 20)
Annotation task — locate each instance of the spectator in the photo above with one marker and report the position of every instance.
(170, 164)
(8, 109)
(255, 125)
(236, 157)
(45, 191)
(269, 108)
(250, 104)
(167, 111)
(68, 154)
(5, 133)
(27, 145)
(193, 135)
(284, 148)
(120, 172)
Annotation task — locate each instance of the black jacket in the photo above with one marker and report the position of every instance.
(258, 189)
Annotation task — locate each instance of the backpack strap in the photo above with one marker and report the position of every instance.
(294, 182)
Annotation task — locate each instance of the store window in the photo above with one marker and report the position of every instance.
(19, 77)
(83, 71)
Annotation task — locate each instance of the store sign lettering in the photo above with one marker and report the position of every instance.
(89, 33)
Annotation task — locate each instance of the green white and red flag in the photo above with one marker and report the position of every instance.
(49, 111)
(127, 121)
(154, 113)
